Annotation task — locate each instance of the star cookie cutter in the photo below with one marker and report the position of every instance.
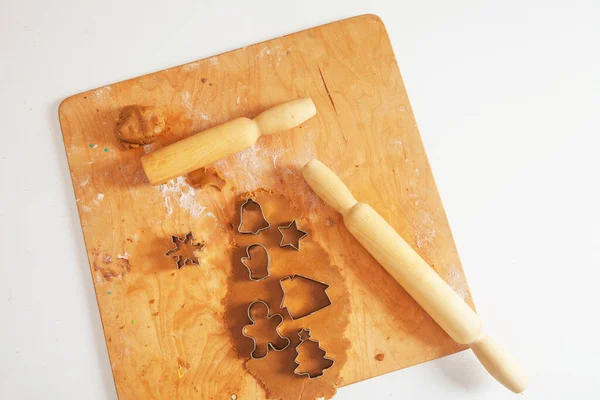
(297, 244)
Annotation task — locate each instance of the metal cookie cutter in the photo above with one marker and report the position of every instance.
(183, 258)
(304, 335)
(269, 345)
(297, 244)
(296, 276)
(247, 258)
(247, 202)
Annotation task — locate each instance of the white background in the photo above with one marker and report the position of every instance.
(507, 97)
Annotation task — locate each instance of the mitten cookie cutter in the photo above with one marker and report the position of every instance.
(243, 260)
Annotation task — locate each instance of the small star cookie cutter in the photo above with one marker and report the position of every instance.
(283, 227)
(246, 203)
(269, 345)
(250, 272)
(309, 339)
(187, 239)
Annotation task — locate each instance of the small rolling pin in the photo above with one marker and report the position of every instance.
(213, 144)
(412, 272)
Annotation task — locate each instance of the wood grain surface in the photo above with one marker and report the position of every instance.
(164, 327)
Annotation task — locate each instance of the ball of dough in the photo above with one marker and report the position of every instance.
(139, 125)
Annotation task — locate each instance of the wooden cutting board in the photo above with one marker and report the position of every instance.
(164, 330)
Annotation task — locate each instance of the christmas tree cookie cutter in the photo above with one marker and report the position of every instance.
(244, 260)
(304, 335)
(291, 244)
(251, 201)
(291, 278)
(270, 344)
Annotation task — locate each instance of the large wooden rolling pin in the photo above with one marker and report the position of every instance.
(415, 276)
(213, 144)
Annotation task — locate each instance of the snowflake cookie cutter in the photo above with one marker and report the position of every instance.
(270, 344)
(188, 239)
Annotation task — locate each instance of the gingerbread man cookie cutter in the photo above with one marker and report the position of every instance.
(270, 344)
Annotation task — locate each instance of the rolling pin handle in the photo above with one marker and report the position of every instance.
(501, 364)
(328, 186)
(285, 116)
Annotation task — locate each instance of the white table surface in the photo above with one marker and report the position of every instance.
(507, 97)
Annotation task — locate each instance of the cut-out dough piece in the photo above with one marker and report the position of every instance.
(204, 177)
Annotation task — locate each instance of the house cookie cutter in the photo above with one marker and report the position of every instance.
(295, 276)
(269, 345)
(187, 239)
(243, 260)
(309, 339)
(297, 245)
(252, 201)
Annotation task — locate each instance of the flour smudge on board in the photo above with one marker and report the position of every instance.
(424, 229)
(253, 163)
(177, 191)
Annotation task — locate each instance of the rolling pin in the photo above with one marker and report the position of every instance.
(412, 272)
(213, 144)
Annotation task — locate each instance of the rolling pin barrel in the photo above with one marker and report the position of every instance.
(197, 151)
(405, 265)
(216, 143)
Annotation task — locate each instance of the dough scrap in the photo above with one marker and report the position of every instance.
(139, 125)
